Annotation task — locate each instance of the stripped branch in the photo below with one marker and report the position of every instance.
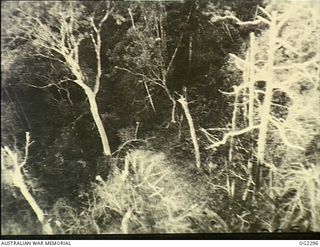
(192, 129)
(230, 16)
(232, 134)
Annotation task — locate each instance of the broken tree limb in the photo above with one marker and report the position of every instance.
(192, 129)
(232, 134)
(231, 16)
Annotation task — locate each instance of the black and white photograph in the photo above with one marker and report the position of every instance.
(160, 117)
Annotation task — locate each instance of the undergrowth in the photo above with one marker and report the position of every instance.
(143, 194)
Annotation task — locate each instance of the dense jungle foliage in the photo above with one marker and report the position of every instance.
(160, 117)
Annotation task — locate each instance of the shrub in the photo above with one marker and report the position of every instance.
(143, 194)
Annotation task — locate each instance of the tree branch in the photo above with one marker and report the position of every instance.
(230, 16)
(232, 134)
(283, 135)
(149, 96)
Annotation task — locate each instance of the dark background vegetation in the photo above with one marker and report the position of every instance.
(67, 154)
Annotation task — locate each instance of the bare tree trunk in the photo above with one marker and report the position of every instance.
(97, 120)
(185, 108)
(91, 95)
(267, 101)
(266, 106)
(46, 228)
(250, 79)
(173, 111)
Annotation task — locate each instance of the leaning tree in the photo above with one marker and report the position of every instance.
(60, 31)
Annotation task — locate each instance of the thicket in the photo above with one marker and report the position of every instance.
(153, 117)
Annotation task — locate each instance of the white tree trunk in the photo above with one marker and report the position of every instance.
(97, 120)
(266, 106)
(185, 107)
(35, 207)
(91, 95)
(250, 79)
